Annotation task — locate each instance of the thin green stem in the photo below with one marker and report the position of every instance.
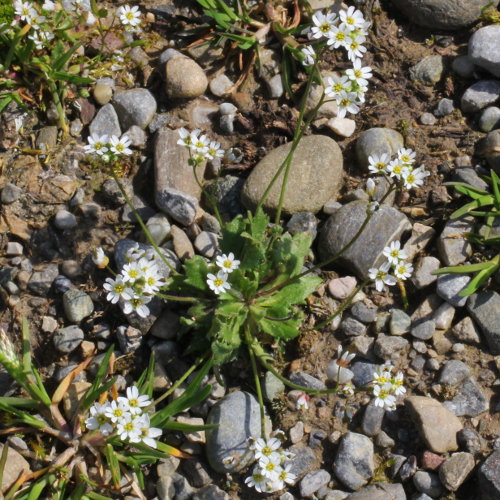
(177, 298)
(143, 226)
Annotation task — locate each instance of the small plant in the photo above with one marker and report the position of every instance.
(484, 204)
(101, 432)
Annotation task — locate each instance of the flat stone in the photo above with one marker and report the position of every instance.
(341, 288)
(238, 418)
(313, 481)
(303, 222)
(364, 311)
(436, 424)
(77, 305)
(67, 339)
(480, 95)
(466, 331)
(226, 192)
(304, 461)
(106, 122)
(65, 220)
(389, 347)
(399, 323)
(41, 281)
(379, 491)
(484, 307)
(315, 176)
(421, 236)
(206, 244)
(444, 108)
(306, 380)
(484, 48)
(344, 127)
(422, 275)
(428, 483)
(220, 85)
(444, 315)
(428, 71)
(471, 441)
(143, 209)
(137, 136)
(159, 227)
(456, 470)
(135, 107)
(372, 419)
(210, 492)
(47, 138)
(363, 372)
(354, 461)
(178, 205)
(386, 225)
(184, 78)
(171, 165)
(489, 477)
(453, 372)
(272, 386)
(427, 119)
(16, 465)
(377, 141)
(352, 327)
(470, 400)
(10, 194)
(183, 247)
(490, 119)
(452, 246)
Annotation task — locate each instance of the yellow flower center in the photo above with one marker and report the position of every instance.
(129, 15)
(354, 45)
(380, 165)
(405, 159)
(358, 73)
(381, 275)
(133, 273)
(338, 87)
(118, 412)
(136, 302)
(129, 426)
(340, 36)
(218, 282)
(228, 264)
(102, 419)
(394, 253)
(119, 147)
(324, 28)
(266, 450)
(345, 102)
(133, 403)
(119, 288)
(349, 20)
(397, 169)
(410, 179)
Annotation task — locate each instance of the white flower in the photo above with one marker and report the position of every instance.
(131, 272)
(227, 263)
(137, 304)
(134, 402)
(337, 85)
(268, 448)
(344, 358)
(234, 155)
(377, 164)
(72, 5)
(358, 73)
(36, 20)
(199, 143)
(286, 476)
(309, 55)
(347, 389)
(413, 178)
(98, 419)
(354, 47)
(395, 168)
(371, 187)
(214, 151)
(25, 11)
(397, 384)
(403, 270)
(270, 466)
(128, 428)
(49, 6)
(99, 258)
(218, 283)
(120, 146)
(116, 411)
(153, 281)
(381, 276)
(185, 138)
(352, 19)
(338, 37)
(322, 24)
(97, 144)
(129, 15)
(406, 156)
(148, 434)
(117, 289)
(257, 480)
(383, 398)
(302, 402)
(346, 103)
(394, 253)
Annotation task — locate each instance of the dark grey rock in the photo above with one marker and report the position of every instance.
(354, 462)
(303, 222)
(180, 206)
(386, 225)
(398, 461)
(363, 372)
(306, 380)
(389, 347)
(47, 138)
(453, 372)
(352, 327)
(77, 305)
(10, 193)
(484, 307)
(129, 338)
(489, 477)
(377, 141)
(363, 311)
(490, 119)
(383, 440)
(456, 470)
(452, 246)
(68, 339)
(492, 143)
(196, 472)
(313, 481)
(444, 107)
(469, 176)
(304, 461)
(449, 287)
(470, 440)
(484, 48)
(480, 95)
(372, 419)
(470, 400)
(65, 220)
(428, 71)
(463, 66)
(227, 193)
(41, 281)
(428, 483)
(143, 209)
(167, 326)
(62, 284)
(210, 492)
(106, 122)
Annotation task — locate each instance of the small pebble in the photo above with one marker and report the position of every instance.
(65, 220)
(427, 119)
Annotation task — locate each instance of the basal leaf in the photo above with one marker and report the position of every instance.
(194, 277)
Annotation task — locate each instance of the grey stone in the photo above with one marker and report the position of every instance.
(68, 339)
(297, 432)
(159, 228)
(220, 85)
(182, 245)
(135, 107)
(428, 483)
(352, 327)
(489, 477)
(227, 123)
(227, 193)
(428, 71)
(331, 206)
(484, 48)
(304, 461)
(442, 14)
(453, 372)
(363, 372)
(377, 141)
(372, 419)
(196, 472)
(10, 193)
(144, 211)
(364, 311)
(65, 220)
(470, 400)
(77, 305)
(449, 287)
(167, 326)
(272, 386)
(427, 119)
(62, 284)
(303, 222)
(389, 347)
(129, 338)
(432, 365)
(313, 481)
(210, 492)
(399, 323)
(41, 281)
(306, 380)
(444, 107)
(180, 206)
(206, 244)
(354, 462)
(452, 246)
(379, 491)
(238, 418)
(227, 108)
(171, 165)
(456, 470)
(422, 276)
(184, 78)
(470, 441)
(275, 86)
(315, 176)
(15, 467)
(484, 307)
(490, 119)
(47, 138)
(165, 488)
(469, 176)
(112, 193)
(465, 331)
(137, 136)
(492, 145)
(463, 66)
(106, 122)
(383, 440)
(14, 248)
(386, 225)
(479, 95)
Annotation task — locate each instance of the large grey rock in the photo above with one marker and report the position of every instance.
(442, 14)
(171, 165)
(135, 107)
(484, 48)
(428, 483)
(77, 305)
(489, 477)
(449, 287)
(422, 276)
(315, 176)
(453, 372)
(452, 246)
(429, 70)
(386, 225)
(313, 481)
(377, 141)
(379, 491)
(238, 418)
(480, 95)
(490, 119)
(304, 461)
(484, 307)
(372, 419)
(455, 470)
(389, 347)
(184, 78)
(41, 281)
(68, 339)
(180, 206)
(470, 400)
(106, 122)
(354, 464)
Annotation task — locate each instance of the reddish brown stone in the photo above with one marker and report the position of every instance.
(431, 461)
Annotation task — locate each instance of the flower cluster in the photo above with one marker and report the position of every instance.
(200, 147)
(108, 148)
(126, 418)
(271, 472)
(35, 16)
(386, 387)
(347, 31)
(226, 265)
(138, 282)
